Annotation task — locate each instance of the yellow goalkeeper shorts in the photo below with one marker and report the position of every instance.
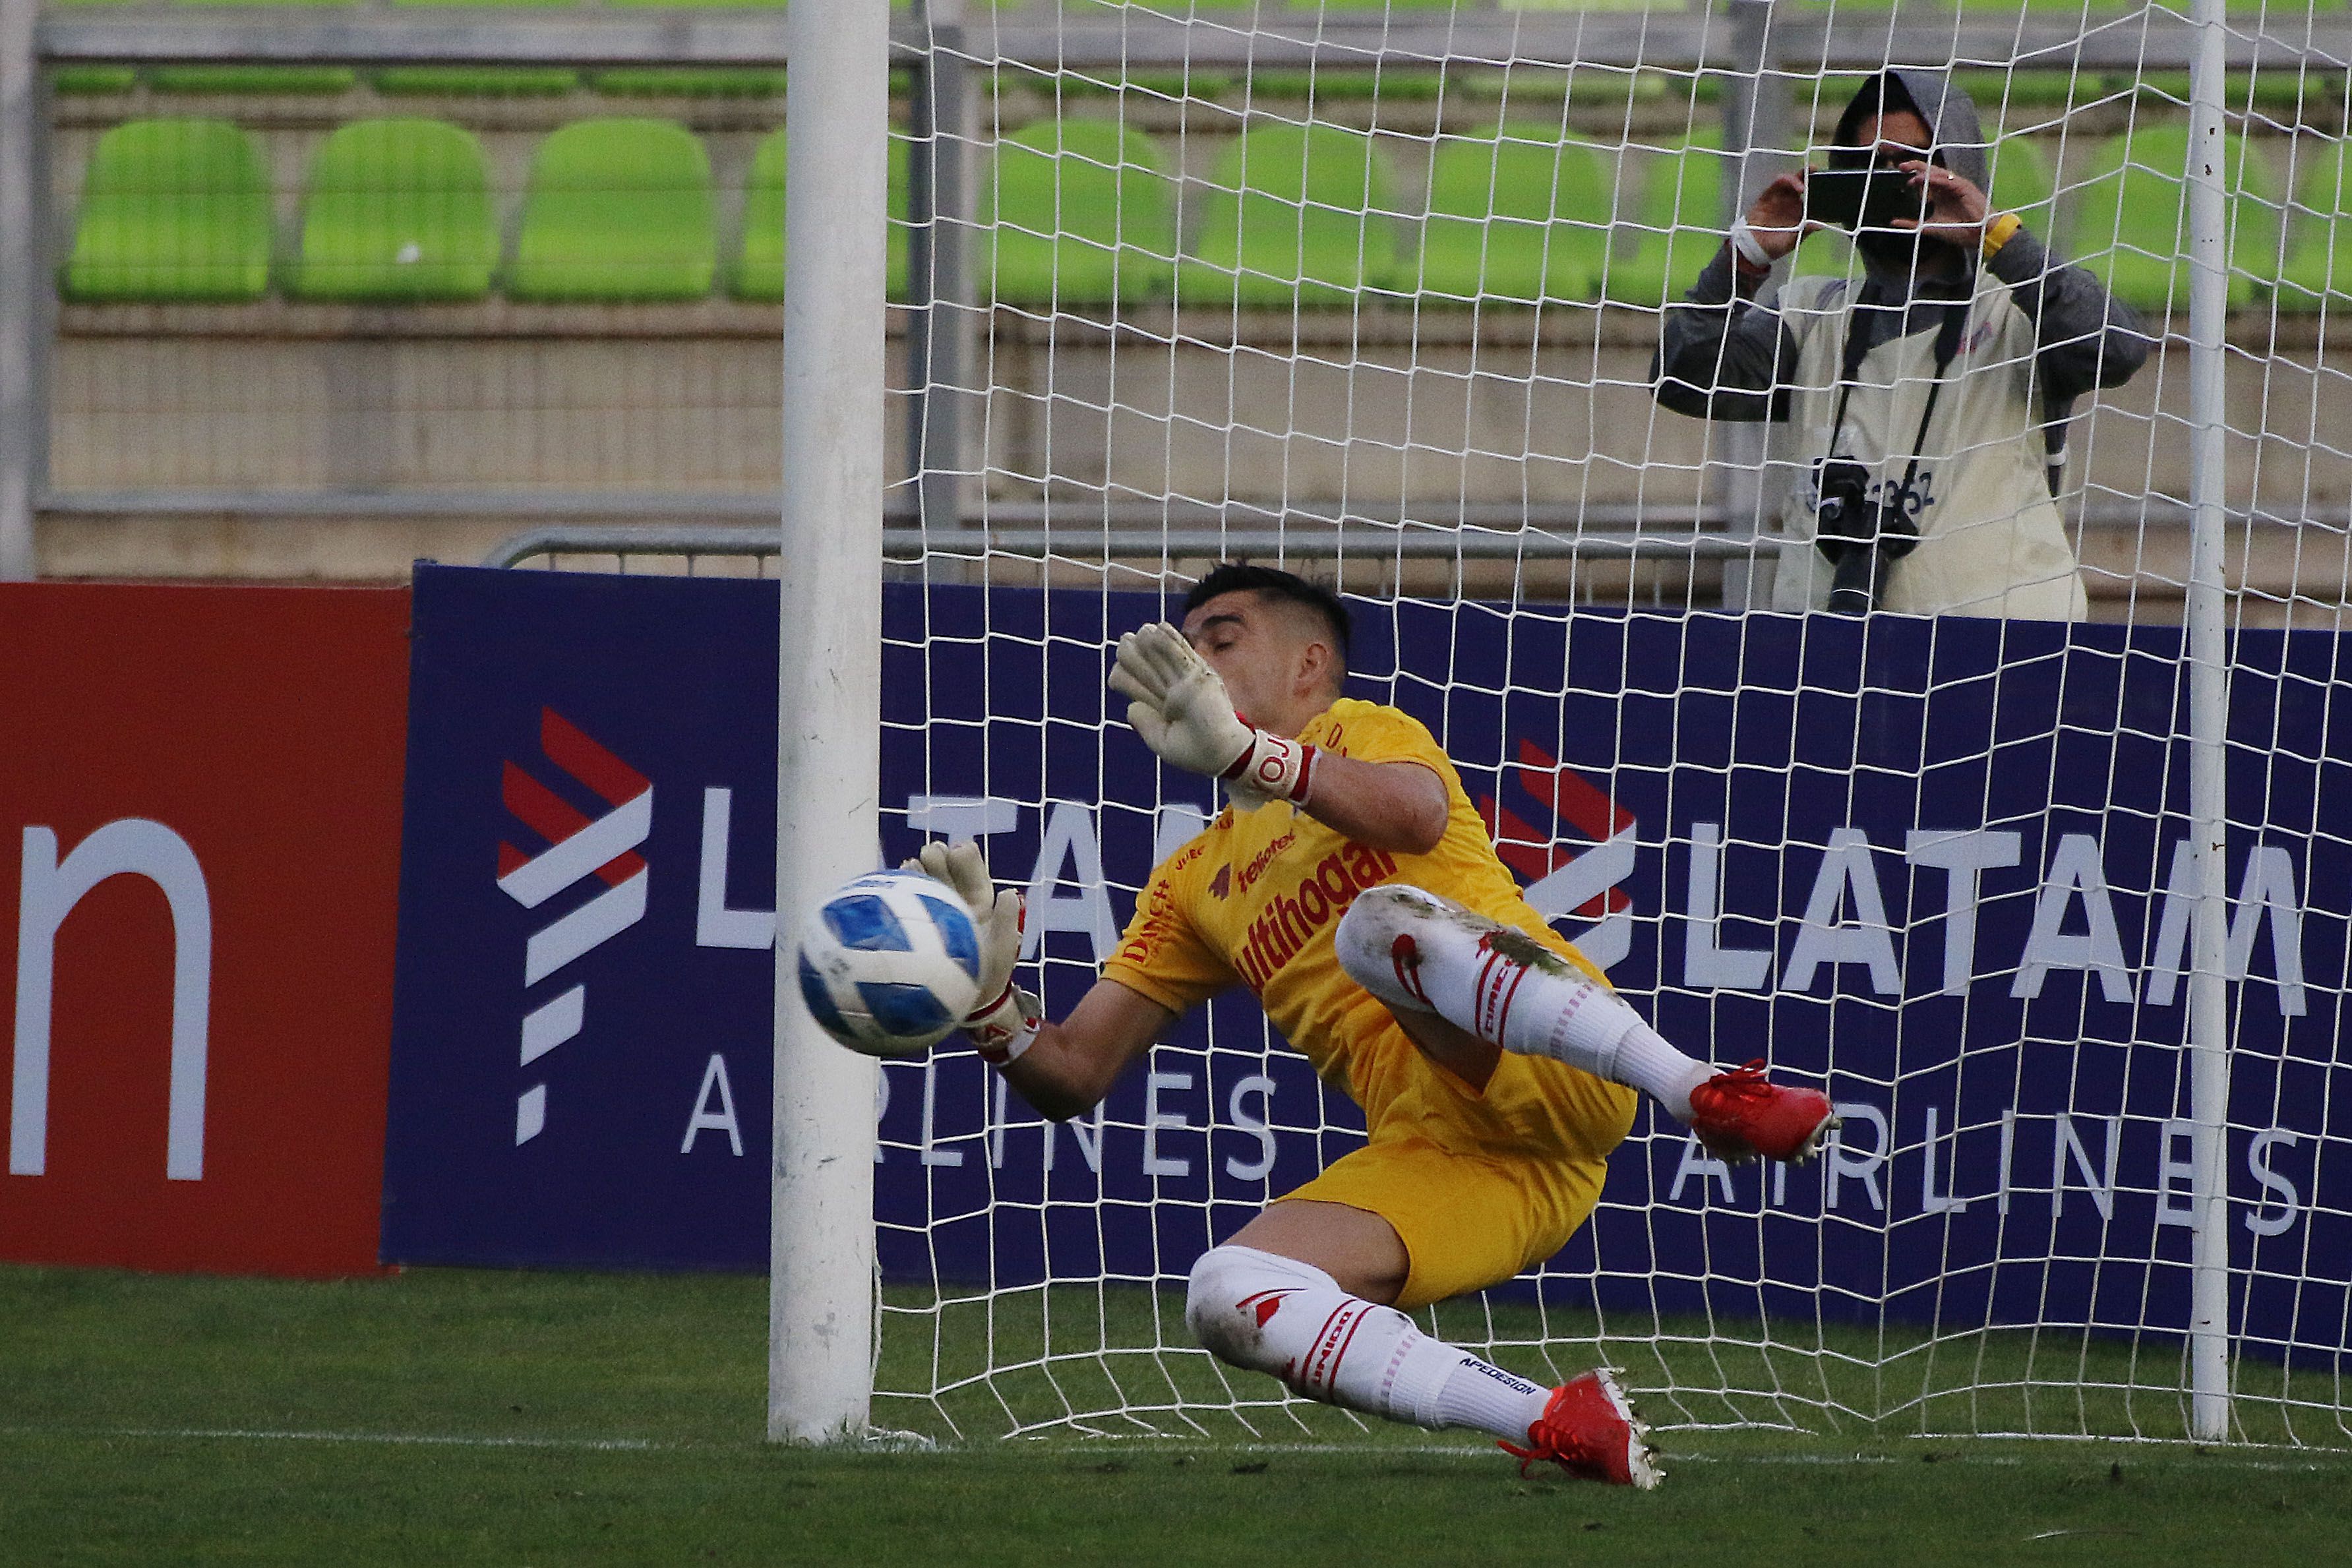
(1467, 1221)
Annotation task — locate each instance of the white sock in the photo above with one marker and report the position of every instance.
(1507, 988)
(1291, 1321)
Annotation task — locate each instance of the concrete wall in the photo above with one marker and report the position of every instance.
(1379, 413)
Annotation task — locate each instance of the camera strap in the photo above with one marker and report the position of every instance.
(1948, 335)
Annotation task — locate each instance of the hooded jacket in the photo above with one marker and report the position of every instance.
(2037, 334)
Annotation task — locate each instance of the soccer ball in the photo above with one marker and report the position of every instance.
(890, 963)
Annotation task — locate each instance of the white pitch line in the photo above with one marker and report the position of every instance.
(430, 1440)
(1674, 1457)
(1352, 1450)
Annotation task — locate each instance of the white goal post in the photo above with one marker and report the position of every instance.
(838, 112)
(1188, 281)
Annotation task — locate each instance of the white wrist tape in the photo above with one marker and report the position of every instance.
(1007, 1026)
(1749, 249)
(1274, 768)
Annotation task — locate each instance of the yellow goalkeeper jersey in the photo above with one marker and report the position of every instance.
(1254, 900)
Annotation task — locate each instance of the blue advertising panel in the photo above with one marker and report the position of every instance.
(1935, 865)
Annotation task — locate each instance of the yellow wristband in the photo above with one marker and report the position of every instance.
(1999, 232)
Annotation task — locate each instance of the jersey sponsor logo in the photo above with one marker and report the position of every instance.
(1261, 860)
(578, 847)
(1290, 920)
(1222, 884)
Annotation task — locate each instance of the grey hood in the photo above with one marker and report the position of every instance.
(1949, 111)
(1958, 145)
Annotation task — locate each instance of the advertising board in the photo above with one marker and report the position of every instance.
(1936, 865)
(200, 796)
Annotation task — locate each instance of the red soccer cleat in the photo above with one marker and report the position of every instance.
(1737, 1114)
(1589, 1429)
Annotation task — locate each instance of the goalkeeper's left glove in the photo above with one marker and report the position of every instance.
(1180, 709)
(1006, 1022)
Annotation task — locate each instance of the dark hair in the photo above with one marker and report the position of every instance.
(1237, 577)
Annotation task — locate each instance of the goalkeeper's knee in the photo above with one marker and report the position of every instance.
(1233, 1297)
(1290, 1320)
(1377, 944)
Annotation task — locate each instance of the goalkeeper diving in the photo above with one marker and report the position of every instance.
(1351, 884)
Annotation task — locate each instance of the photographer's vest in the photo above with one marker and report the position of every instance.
(1991, 538)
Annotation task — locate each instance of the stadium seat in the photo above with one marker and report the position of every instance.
(397, 211)
(650, 81)
(172, 211)
(2320, 221)
(2023, 183)
(1295, 215)
(1518, 218)
(72, 81)
(2131, 219)
(617, 210)
(758, 276)
(1075, 212)
(475, 81)
(1681, 223)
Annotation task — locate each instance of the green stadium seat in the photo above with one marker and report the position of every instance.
(699, 82)
(283, 81)
(73, 81)
(759, 271)
(1295, 215)
(2131, 219)
(2024, 182)
(398, 211)
(619, 211)
(1518, 218)
(1075, 212)
(1338, 85)
(1681, 223)
(172, 211)
(2316, 270)
(475, 81)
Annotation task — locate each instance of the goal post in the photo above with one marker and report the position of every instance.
(2208, 709)
(837, 114)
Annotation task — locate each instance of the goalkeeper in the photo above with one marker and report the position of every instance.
(1352, 887)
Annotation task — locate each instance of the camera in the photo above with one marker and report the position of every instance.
(1861, 537)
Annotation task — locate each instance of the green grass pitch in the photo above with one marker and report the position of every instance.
(461, 1417)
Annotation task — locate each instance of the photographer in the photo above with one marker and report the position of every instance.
(1926, 408)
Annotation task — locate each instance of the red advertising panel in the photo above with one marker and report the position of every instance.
(200, 827)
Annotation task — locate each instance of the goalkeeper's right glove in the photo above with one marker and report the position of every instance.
(1180, 709)
(1006, 1024)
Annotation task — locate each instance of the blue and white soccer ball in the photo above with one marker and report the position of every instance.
(890, 963)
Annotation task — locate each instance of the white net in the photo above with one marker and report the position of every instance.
(1378, 292)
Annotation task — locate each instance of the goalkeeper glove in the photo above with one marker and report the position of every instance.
(1180, 707)
(1006, 1023)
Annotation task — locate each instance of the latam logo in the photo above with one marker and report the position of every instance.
(599, 852)
(1563, 881)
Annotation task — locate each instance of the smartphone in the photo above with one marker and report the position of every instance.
(1854, 199)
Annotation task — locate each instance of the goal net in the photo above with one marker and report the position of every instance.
(1377, 292)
